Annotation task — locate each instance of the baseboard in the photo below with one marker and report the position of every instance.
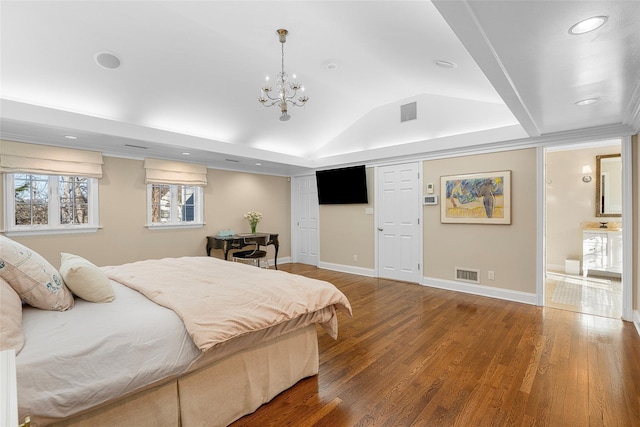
(556, 268)
(636, 320)
(368, 272)
(283, 260)
(485, 291)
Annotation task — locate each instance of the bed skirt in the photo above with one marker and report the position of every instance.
(215, 394)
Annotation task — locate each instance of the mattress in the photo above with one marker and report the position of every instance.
(76, 359)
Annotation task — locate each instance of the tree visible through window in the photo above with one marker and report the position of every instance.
(31, 199)
(74, 205)
(174, 204)
(45, 202)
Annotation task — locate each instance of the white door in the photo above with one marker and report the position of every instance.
(398, 222)
(306, 220)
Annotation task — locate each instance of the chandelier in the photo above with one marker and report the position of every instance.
(286, 92)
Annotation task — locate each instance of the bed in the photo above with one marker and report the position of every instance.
(148, 358)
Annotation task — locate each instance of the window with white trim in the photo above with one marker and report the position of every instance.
(174, 205)
(50, 203)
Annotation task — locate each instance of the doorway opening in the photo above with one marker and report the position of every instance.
(583, 244)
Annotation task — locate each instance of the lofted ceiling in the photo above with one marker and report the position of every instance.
(191, 72)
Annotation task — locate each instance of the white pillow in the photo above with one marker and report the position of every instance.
(32, 277)
(11, 335)
(85, 279)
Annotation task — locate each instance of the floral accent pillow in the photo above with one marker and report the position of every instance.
(11, 335)
(36, 281)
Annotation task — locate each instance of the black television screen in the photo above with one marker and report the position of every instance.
(342, 186)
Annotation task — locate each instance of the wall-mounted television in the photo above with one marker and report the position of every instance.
(342, 186)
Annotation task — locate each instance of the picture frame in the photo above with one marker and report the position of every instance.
(476, 198)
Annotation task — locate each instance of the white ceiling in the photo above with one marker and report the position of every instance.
(191, 72)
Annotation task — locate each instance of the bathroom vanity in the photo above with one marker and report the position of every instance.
(602, 252)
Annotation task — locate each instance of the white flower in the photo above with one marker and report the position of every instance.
(253, 217)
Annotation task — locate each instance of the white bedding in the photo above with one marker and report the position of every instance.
(94, 353)
(83, 348)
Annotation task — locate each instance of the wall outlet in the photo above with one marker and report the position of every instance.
(492, 275)
(355, 257)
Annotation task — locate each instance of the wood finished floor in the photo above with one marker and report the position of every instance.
(418, 356)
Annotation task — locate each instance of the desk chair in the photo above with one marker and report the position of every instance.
(256, 256)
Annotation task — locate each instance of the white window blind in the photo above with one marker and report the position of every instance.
(170, 172)
(46, 160)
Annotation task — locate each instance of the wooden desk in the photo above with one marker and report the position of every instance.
(239, 241)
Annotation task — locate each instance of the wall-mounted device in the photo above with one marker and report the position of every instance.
(430, 188)
(430, 200)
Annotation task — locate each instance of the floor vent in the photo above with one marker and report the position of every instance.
(468, 275)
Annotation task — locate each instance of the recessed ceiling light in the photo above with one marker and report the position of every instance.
(588, 25)
(445, 64)
(71, 137)
(107, 60)
(258, 164)
(186, 154)
(587, 101)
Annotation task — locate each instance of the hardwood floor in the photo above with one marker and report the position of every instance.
(418, 356)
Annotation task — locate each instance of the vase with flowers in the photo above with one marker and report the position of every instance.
(254, 218)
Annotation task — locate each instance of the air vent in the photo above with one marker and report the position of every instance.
(232, 160)
(136, 146)
(471, 275)
(408, 112)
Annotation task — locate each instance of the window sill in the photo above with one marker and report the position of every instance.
(35, 231)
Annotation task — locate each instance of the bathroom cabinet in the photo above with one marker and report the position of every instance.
(602, 253)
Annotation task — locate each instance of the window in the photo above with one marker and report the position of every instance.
(174, 205)
(50, 203)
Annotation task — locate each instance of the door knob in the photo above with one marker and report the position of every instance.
(380, 228)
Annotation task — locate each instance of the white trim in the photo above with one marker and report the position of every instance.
(631, 115)
(293, 210)
(627, 229)
(559, 268)
(41, 230)
(175, 226)
(198, 208)
(281, 261)
(541, 226)
(53, 226)
(481, 290)
(8, 388)
(361, 271)
(636, 320)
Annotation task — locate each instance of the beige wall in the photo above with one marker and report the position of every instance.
(345, 231)
(123, 236)
(570, 201)
(508, 250)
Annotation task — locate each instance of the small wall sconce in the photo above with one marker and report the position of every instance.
(586, 173)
